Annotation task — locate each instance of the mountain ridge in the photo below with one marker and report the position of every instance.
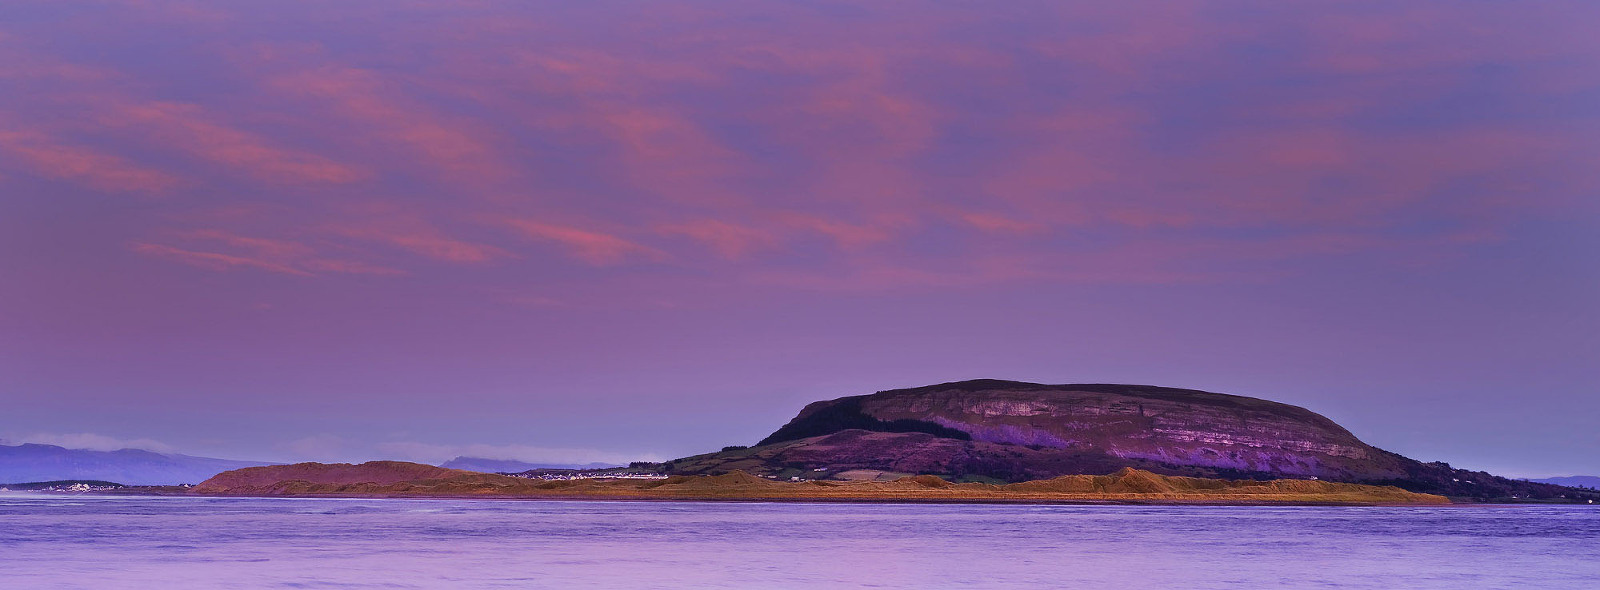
(33, 462)
(1585, 481)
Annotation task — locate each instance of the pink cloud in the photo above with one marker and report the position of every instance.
(667, 153)
(272, 255)
(185, 127)
(990, 222)
(96, 169)
(268, 248)
(846, 235)
(449, 144)
(729, 240)
(215, 260)
(610, 103)
(1124, 40)
(855, 126)
(593, 247)
(410, 232)
(350, 267)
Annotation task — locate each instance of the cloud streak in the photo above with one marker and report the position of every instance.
(271, 255)
(96, 169)
(589, 246)
(184, 127)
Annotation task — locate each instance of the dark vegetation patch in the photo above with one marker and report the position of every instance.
(845, 414)
(1151, 392)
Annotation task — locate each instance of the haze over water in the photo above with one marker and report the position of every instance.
(108, 543)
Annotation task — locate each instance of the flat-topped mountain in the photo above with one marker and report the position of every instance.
(990, 429)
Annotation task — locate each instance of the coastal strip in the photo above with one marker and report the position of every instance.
(400, 479)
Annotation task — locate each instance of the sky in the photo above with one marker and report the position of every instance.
(610, 231)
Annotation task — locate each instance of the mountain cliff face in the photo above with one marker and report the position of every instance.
(1014, 431)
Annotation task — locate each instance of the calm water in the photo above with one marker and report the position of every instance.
(126, 542)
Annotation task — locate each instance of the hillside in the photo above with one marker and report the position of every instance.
(258, 479)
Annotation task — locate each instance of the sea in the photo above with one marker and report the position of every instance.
(144, 542)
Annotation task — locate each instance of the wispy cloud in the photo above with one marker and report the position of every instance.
(846, 234)
(729, 240)
(440, 141)
(215, 260)
(991, 222)
(188, 128)
(590, 246)
(94, 168)
(412, 233)
(228, 251)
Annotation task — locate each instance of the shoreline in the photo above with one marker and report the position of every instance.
(1128, 486)
(825, 500)
(754, 499)
(136, 491)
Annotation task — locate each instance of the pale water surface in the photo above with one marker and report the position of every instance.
(64, 541)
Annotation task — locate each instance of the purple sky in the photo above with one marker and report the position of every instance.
(586, 231)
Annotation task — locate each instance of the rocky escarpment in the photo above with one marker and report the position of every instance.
(1012, 431)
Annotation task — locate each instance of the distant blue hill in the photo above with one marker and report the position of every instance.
(33, 462)
(1577, 481)
(508, 466)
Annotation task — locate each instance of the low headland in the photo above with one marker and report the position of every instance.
(401, 479)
